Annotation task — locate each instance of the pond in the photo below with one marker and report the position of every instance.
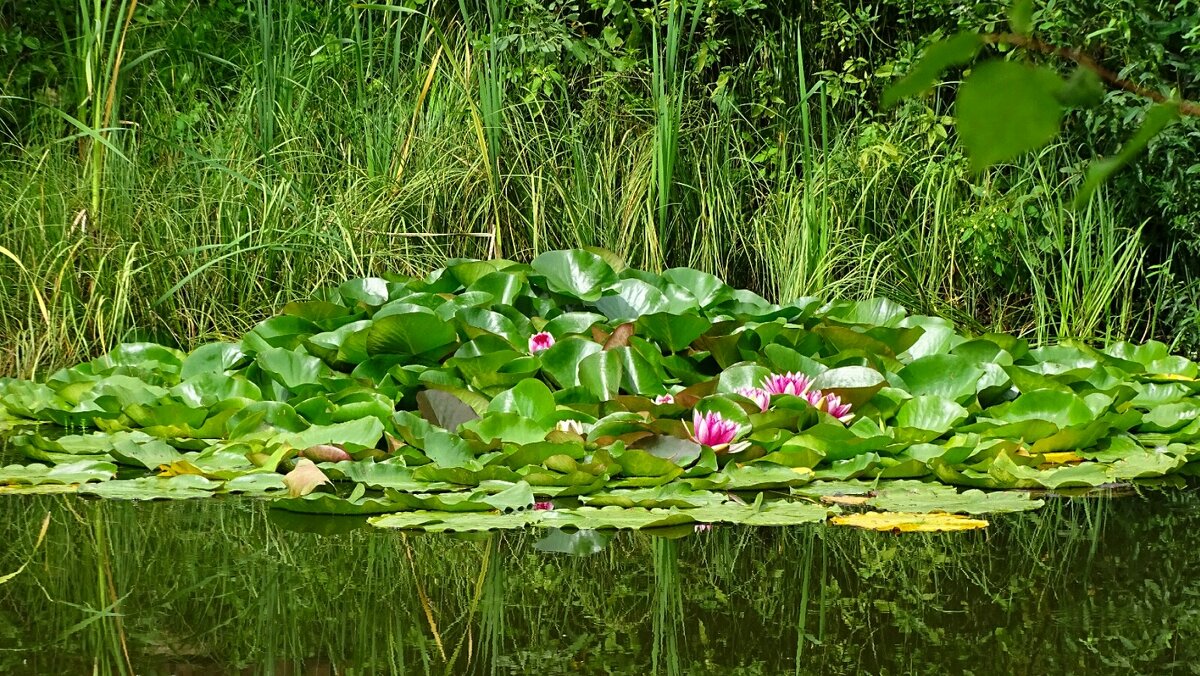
(227, 585)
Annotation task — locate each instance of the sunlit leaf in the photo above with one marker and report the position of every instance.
(902, 522)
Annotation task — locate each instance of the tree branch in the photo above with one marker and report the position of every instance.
(1083, 59)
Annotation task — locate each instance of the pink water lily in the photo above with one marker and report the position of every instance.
(787, 383)
(711, 429)
(664, 399)
(757, 395)
(814, 398)
(543, 506)
(540, 341)
(832, 404)
(702, 528)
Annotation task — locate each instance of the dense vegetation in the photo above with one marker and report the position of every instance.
(468, 398)
(176, 171)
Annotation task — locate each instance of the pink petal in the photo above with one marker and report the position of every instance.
(540, 341)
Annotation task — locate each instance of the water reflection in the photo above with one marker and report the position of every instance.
(226, 586)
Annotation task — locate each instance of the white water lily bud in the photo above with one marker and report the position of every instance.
(570, 426)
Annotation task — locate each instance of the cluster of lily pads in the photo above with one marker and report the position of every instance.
(574, 392)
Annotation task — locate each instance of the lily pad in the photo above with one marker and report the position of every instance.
(901, 522)
(184, 487)
(925, 497)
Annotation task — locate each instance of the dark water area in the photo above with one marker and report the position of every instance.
(223, 586)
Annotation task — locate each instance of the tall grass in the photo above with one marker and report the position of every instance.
(374, 137)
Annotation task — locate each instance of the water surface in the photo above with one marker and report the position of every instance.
(227, 585)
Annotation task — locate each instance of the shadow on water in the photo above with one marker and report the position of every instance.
(225, 586)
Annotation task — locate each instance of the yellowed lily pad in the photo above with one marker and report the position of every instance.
(906, 522)
(845, 500)
(1061, 458)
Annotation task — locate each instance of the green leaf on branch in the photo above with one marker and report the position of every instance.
(1020, 17)
(958, 50)
(1005, 109)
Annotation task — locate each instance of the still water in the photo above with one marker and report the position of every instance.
(230, 586)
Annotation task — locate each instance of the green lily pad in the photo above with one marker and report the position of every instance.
(183, 487)
(457, 522)
(925, 497)
(79, 472)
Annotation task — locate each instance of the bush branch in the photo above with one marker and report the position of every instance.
(1086, 60)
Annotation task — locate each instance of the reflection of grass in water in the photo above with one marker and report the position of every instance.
(668, 607)
(203, 580)
(1079, 585)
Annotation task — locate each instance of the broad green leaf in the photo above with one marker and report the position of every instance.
(1020, 17)
(371, 291)
(283, 331)
(957, 50)
(448, 450)
(507, 427)
(600, 374)
(562, 361)
(673, 331)
(442, 522)
(638, 463)
(183, 487)
(530, 398)
(78, 472)
(931, 413)
(1060, 408)
(707, 289)
(630, 299)
(671, 495)
(351, 435)
(212, 358)
(412, 333)
(908, 496)
(635, 518)
(682, 452)
(291, 369)
(573, 323)
(146, 452)
(1006, 108)
(854, 384)
(478, 319)
(942, 375)
(871, 312)
(328, 503)
(518, 496)
(577, 273)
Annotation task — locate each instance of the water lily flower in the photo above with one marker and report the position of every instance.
(702, 527)
(540, 341)
(787, 383)
(814, 398)
(543, 506)
(664, 399)
(832, 404)
(569, 426)
(757, 395)
(711, 429)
